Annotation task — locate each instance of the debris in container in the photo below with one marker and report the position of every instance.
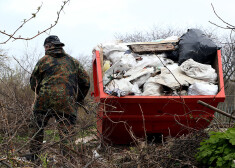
(106, 65)
(109, 48)
(122, 86)
(172, 67)
(155, 61)
(131, 72)
(173, 55)
(125, 63)
(139, 75)
(180, 93)
(115, 92)
(140, 80)
(203, 89)
(199, 71)
(113, 51)
(174, 79)
(151, 88)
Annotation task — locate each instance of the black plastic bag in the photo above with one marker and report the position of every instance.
(196, 45)
(173, 55)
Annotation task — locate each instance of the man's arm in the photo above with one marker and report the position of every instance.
(83, 83)
(34, 79)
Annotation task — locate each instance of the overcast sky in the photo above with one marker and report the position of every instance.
(86, 23)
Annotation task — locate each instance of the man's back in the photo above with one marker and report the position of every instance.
(56, 79)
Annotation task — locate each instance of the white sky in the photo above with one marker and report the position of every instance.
(86, 23)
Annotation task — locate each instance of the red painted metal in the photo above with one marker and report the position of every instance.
(120, 120)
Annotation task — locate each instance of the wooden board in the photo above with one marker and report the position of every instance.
(159, 42)
(158, 47)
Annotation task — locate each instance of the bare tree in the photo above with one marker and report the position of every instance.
(228, 57)
(228, 47)
(153, 34)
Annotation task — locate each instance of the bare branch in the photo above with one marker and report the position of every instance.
(21, 65)
(228, 25)
(12, 36)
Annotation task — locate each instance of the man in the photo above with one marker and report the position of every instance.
(60, 84)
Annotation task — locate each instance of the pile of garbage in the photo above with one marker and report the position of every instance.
(173, 66)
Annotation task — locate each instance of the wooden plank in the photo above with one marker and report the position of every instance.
(140, 48)
(159, 42)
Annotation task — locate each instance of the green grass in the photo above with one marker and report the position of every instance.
(51, 135)
(85, 133)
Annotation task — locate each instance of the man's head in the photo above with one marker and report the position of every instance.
(52, 41)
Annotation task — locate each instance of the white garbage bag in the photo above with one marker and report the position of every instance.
(125, 63)
(151, 88)
(142, 79)
(203, 89)
(136, 90)
(199, 71)
(149, 61)
(106, 79)
(140, 76)
(108, 48)
(122, 84)
(154, 60)
(115, 91)
(115, 56)
(172, 67)
(174, 78)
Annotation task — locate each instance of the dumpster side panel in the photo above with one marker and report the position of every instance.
(172, 119)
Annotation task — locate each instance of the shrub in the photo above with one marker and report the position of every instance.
(218, 150)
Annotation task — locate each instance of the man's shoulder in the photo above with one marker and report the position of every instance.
(44, 58)
(73, 59)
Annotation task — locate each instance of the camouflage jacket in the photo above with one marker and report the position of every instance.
(59, 82)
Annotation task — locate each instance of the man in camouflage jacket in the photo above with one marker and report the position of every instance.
(60, 84)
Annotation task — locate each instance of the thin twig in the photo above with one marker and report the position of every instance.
(145, 134)
(232, 27)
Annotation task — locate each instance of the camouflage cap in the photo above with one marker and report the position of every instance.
(54, 40)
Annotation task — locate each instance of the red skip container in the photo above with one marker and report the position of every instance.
(121, 120)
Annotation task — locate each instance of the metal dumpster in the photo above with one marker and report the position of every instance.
(121, 120)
